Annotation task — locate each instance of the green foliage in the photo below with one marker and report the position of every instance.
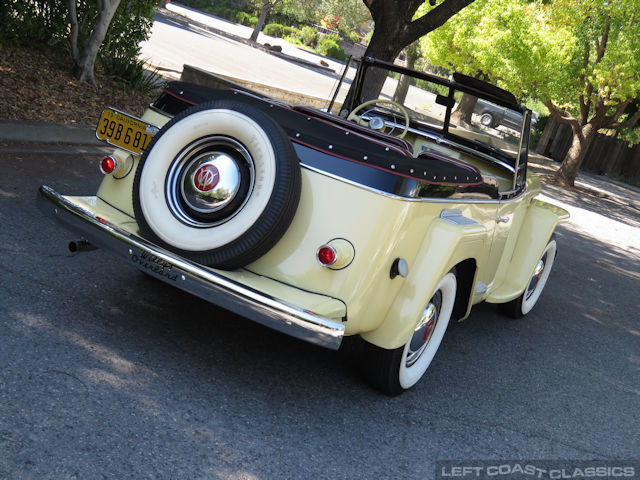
(277, 30)
(132, 74)
(294, 39)
(431, 87)
(329, 45)
(46, 22)
(296, 11)
(630, 135)
(309, 36)
(273, 30)
(353, 36)
(119, 52)
(536, 105)
(353, 13)
(35, 22)
(131, 25)
(367, 38)
(509, 41)
(246, 14)
(198, 4)
(247, 19)
(547, 50)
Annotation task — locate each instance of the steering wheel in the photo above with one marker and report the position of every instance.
(380, 123)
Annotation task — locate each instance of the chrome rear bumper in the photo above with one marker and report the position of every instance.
(191, 277)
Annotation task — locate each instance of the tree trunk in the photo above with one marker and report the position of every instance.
(85, 65)
(262, 17)
(382, 47)
(464, 110)
(73, 32)
(400, 95)
(583, 135)
(395, 28)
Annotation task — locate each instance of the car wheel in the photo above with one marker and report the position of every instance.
(522, 305)
(394, 371)
(219, 184)
(487, 120)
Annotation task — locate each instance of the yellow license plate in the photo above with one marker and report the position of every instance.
(125, 131)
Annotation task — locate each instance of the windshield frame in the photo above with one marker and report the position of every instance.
(463, 84)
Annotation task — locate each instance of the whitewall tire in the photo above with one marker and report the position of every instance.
(219, 184)
(522, 305)
(394, 371)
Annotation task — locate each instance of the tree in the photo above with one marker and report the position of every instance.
(85, 60)
(608, 54)
(80, 26)
(299, 9)
(352, 12)
(579, 58)
(399, 23)
(264, 7)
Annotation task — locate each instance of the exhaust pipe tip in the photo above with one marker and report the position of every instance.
(81, 246)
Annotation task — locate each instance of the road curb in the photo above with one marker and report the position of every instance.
(41, 132)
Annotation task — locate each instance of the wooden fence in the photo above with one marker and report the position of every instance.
(606, 155)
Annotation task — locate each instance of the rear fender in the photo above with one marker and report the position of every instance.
(446, 244)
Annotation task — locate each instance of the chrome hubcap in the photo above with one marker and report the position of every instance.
(210, 181)
(424, 330)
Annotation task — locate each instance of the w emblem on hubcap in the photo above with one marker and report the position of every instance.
(206, 178)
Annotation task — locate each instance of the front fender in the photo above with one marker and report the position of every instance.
(446, 244)
(540, 221)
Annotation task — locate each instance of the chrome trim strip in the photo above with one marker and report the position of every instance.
(190, 276)
(455, 216)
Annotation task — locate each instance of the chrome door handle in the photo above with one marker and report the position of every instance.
(502, 219)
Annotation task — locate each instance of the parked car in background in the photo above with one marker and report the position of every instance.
(387, 224)
(492, 115)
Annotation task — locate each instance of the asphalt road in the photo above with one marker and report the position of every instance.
(106, 373)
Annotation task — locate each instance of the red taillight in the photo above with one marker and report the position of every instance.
(108, 165)
(327, 255)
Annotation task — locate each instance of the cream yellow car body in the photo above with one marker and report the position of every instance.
(381, 309)
(408, 249)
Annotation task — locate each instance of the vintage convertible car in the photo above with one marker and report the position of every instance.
(388, 218)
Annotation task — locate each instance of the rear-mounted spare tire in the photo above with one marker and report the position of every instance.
(219, 184)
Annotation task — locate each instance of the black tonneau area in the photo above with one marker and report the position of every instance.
(337, 138)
